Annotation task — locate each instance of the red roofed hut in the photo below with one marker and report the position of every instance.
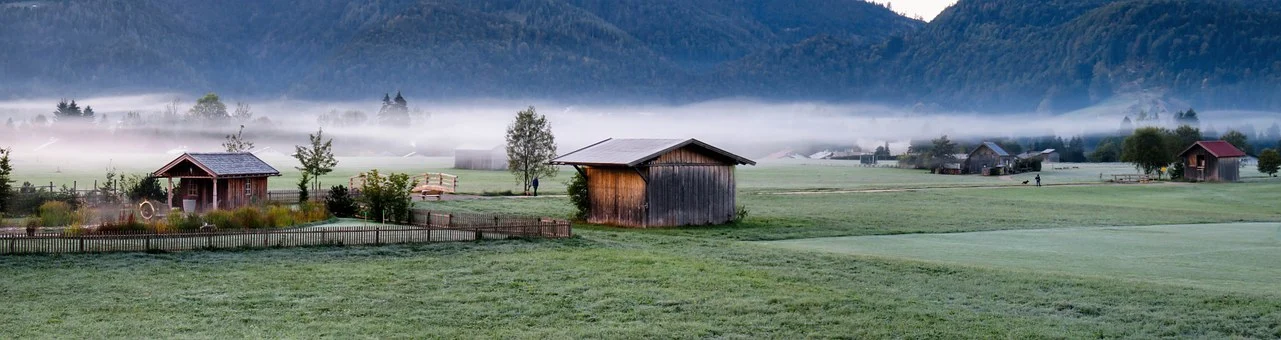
(211, 181)
(657, 182)
(1212, 161)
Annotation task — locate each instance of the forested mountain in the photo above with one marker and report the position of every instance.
(985, 55)
(434, 48)
(1014, 55)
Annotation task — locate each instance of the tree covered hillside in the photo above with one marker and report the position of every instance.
(440, 48)
(1013, 55)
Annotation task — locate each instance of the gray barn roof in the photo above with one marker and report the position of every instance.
(996, 148)
(633, 152)
(226, 164)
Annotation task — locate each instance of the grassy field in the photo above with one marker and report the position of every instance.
(1238, 257)
(780, 216)
(603, 285)
(700, 282)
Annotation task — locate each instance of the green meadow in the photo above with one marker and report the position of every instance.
(828, 251)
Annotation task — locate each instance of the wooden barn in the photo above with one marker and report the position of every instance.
(649, 183)
(481, 159)
(211, 181)
(987, 156)
(1212, 161)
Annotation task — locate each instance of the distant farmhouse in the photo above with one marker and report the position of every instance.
(481, 159)
(988, 159)
(1047, 155)
(657, 182)
(1212, 161)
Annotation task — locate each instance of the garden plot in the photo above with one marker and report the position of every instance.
(1239, 257)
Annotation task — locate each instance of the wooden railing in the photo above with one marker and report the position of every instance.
(428, 227)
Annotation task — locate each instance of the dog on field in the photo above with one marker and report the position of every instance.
(1024, 182)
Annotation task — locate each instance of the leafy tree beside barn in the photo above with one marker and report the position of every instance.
(530, 147)
(1148, 149)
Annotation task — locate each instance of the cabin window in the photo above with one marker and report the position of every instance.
(249, 191)
(191, 190)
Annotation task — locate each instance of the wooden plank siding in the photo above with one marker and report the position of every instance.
(689, 187)
(683, 187)
(1201, 165)
(690, 195)
(617, 195)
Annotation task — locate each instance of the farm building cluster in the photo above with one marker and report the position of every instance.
(990, 159)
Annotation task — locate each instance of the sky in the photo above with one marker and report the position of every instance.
(927, 9)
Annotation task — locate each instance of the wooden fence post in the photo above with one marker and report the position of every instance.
(82, 243)
(148, 243)
(377, 239)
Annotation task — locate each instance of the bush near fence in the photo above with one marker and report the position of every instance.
(428, 226)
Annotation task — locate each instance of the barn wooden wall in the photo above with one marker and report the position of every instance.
(617, 195)
(232, 195)
(231, 192)
(1216, 169)
(1229, 169)
(686, 187)
(981, 158)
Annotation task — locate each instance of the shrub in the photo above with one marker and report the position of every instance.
(143, 187)
(340, 203)
(311, 212)
(249, 218)
(740, 213)
(56, 214)
(185, 222)
(279, 217)
(32, 225)
(28, 201)
(161, 226)
(577, 189)
(129, 223)
(221, 219)
(387, 197)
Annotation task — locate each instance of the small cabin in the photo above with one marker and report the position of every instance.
(212, 181)
(647, 183)
(481, 159)
(987, 156)
(1212, 161)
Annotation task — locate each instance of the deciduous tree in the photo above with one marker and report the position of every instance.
(530, 147)
(317, 158)
(1269, 161)
(237, 142)
(1147, 149)
(6, 177)
(1237, 139)
(209, 108)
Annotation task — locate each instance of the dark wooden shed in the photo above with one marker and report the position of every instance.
(657, 182)
(1212, 161)
(987, 156)
(211, 181)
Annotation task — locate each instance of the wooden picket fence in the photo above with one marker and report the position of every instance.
(434, 227)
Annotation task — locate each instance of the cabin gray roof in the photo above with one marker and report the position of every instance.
(996, 148)
(633, 152)
(226, 164)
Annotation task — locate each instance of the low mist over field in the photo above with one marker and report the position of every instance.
(751, 127)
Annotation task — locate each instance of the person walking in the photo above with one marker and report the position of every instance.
(1038, 180)
(535, 183)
